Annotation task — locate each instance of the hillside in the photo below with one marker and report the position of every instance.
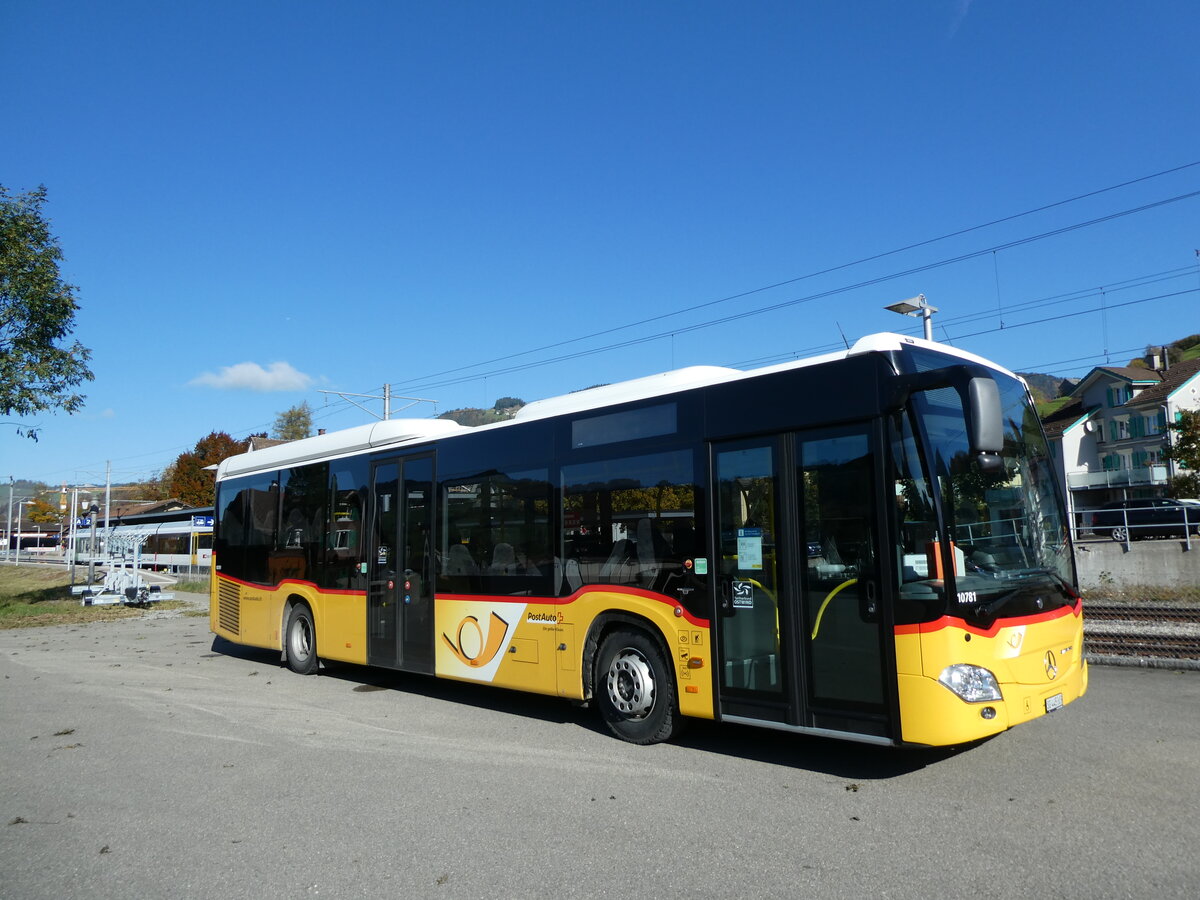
(1051, 387)
(504, 408)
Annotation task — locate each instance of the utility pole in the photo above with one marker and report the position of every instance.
(73, 514)
(8, 527)
(17, 558)
(107, 498)
(386, 398)
(94, 512)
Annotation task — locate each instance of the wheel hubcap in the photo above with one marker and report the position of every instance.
(301, 639)
(631, 684)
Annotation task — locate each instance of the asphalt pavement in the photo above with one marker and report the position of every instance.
(146, 758)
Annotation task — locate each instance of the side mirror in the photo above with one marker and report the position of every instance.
(981, 403)
(980, 397)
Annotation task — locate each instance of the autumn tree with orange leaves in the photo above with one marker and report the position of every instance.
(190, 482)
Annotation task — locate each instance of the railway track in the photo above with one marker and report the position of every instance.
(1157, 631)
(1140, 613)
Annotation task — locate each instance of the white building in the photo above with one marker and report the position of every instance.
(1109, 441)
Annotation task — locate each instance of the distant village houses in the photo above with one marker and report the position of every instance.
(1110, 439)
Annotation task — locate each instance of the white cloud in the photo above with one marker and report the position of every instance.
(249, 376)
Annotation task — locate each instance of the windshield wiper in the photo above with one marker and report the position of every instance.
(1025, 589)
(992, 609)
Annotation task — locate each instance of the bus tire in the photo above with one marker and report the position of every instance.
(635, 688)
(300, 640)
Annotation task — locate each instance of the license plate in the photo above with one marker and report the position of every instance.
(1053, 703)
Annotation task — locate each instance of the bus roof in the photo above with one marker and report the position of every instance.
(398, 432)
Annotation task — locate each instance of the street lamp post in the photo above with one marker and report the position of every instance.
(8, 527)
(93, 512)
(17, 558)
(918, 308)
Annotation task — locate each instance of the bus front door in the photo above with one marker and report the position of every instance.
(400, 595)
(840, 586)
(799, 625)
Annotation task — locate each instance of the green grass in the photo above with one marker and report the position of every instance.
(37, 595)
(1049, 407)
(190, 587)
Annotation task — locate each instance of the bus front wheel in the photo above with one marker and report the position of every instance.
(635, 688)
(301, 640)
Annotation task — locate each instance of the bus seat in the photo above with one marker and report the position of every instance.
(568, 570)
(649, 562)
(616, 567)
(573, 575)
(504, 560)
(459, 561)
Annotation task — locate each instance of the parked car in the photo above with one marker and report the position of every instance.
(1133, 519)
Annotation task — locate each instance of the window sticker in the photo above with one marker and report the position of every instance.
(749, 548)
(743, 595)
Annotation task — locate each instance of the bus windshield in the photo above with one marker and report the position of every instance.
(1009, 545)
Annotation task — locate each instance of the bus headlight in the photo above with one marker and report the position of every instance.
(971, 683)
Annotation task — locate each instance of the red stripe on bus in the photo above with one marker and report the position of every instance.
(587, 589)
(286, 581)
(955, 622)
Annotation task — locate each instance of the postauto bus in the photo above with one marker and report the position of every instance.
(868, 545)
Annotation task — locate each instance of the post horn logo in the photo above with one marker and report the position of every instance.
(471, 647)
(1051, 665)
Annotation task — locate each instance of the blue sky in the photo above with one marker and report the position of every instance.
(259, 201)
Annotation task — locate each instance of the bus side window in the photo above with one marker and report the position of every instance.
(629, 521)
(344, 545)
(497, 529)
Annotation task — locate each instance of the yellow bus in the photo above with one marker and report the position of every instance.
(868, 545)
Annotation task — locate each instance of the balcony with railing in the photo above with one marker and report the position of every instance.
(1141, 475)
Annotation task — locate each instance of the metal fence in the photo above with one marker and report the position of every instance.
(1138, 522)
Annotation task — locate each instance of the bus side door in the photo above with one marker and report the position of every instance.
(800, 616)
(400, 589)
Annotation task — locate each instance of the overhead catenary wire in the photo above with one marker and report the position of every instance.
(825, 271)
(423, 381)
(331, 409)
(784, 304)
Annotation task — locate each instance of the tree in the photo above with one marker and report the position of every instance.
(1185, 450)
(39, 512)
(294, 424)
(190, 482)
(37, 312)
(158, 487)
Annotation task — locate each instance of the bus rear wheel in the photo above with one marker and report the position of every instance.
(635, 688)
(300, 640)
